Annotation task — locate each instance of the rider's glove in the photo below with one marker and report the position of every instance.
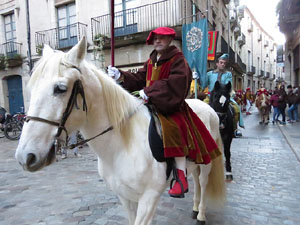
(195, 75)
(113, 72)
(143, 95)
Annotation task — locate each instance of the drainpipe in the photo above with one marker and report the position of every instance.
(112, 31)
(28, 35)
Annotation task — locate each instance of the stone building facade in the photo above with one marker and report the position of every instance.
(259, 53)
(61, 23)
(289, 24)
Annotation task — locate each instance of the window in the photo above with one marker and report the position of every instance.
(258, 65)
(249, 60)
(10, 27)
(10, 34)
(125, 17)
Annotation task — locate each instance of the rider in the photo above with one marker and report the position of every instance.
(224, 76)
(164, 82)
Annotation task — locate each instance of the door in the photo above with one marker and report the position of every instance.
(15, 94)
(67, 26)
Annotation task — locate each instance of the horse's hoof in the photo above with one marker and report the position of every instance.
(200, 222)
(194, 214)
(260, 123)
(229, 178)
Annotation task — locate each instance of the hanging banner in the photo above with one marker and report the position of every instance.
(194, 44)
(212, 45)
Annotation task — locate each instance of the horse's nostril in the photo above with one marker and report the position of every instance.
(30, 159)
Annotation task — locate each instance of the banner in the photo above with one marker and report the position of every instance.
(212, 45)
(194, 44)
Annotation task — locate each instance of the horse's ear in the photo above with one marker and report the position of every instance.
(217, 85)
(228, 86)
(78, 52)
(47, 50)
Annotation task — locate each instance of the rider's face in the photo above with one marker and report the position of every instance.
(221, 64)
(161, 42)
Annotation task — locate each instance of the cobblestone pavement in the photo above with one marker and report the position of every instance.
(265, 189)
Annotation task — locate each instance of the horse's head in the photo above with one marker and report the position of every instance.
(220, 97)
(56, 91)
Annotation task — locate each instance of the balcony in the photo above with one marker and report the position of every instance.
(261, 74)
(61, 37)
(241, 40)
(250, 27)
(251, 70)
(272, 77)
(259, 37)
(266, 44)
(10, 55)
(267, 75)
(140, 19)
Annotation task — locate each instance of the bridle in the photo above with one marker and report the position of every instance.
(77, 89)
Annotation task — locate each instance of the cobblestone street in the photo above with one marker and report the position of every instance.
(265, 189)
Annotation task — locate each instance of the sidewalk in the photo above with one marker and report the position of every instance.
(291, 132)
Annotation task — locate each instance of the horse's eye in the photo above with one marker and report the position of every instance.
(60, 88)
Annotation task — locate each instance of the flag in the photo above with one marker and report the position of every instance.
(212, 45)
(195, 45)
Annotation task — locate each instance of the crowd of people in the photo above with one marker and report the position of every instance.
(280, 100)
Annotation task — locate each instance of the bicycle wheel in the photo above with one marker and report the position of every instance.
(13, 130)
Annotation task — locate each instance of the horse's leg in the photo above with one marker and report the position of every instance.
(131, 209)
(203, 180)
(197, 192)
(146, 207)
(227, 153)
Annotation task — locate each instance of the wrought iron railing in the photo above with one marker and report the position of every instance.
(240, 63)
(253, 69)
(261, 74)
(10, 49)
(61, 37)
(139, 19)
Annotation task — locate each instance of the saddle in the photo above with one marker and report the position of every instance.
(156, 142)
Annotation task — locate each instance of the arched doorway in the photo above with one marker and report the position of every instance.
(15, 94)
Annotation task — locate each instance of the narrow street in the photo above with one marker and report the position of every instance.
(265, 189)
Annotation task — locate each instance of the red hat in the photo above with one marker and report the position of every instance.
(160, 31)
(248, 89)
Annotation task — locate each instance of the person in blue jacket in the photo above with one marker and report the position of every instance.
(223, 76)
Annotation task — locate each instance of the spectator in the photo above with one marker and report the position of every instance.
(274, 103)
(282, 101)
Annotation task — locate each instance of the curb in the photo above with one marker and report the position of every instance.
(288, 140)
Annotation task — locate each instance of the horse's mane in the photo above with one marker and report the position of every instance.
(119, 103)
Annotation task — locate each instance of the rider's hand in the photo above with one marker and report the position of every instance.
(113, 72)
(143, 95)
(195, 75)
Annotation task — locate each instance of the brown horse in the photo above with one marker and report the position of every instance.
(262, 102)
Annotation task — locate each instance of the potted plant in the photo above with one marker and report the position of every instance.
(39, 49)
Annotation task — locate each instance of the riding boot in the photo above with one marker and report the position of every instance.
(181, 185)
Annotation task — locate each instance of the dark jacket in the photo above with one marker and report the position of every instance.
(282, 100)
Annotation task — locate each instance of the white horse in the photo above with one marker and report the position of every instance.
(125, 161)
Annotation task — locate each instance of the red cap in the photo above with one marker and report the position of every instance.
(248, 89)
(160, 31)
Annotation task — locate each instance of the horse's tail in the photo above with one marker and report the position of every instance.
(216, 190)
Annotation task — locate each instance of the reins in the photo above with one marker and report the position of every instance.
(77, 89)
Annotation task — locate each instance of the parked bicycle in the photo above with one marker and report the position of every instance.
(11, 126)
